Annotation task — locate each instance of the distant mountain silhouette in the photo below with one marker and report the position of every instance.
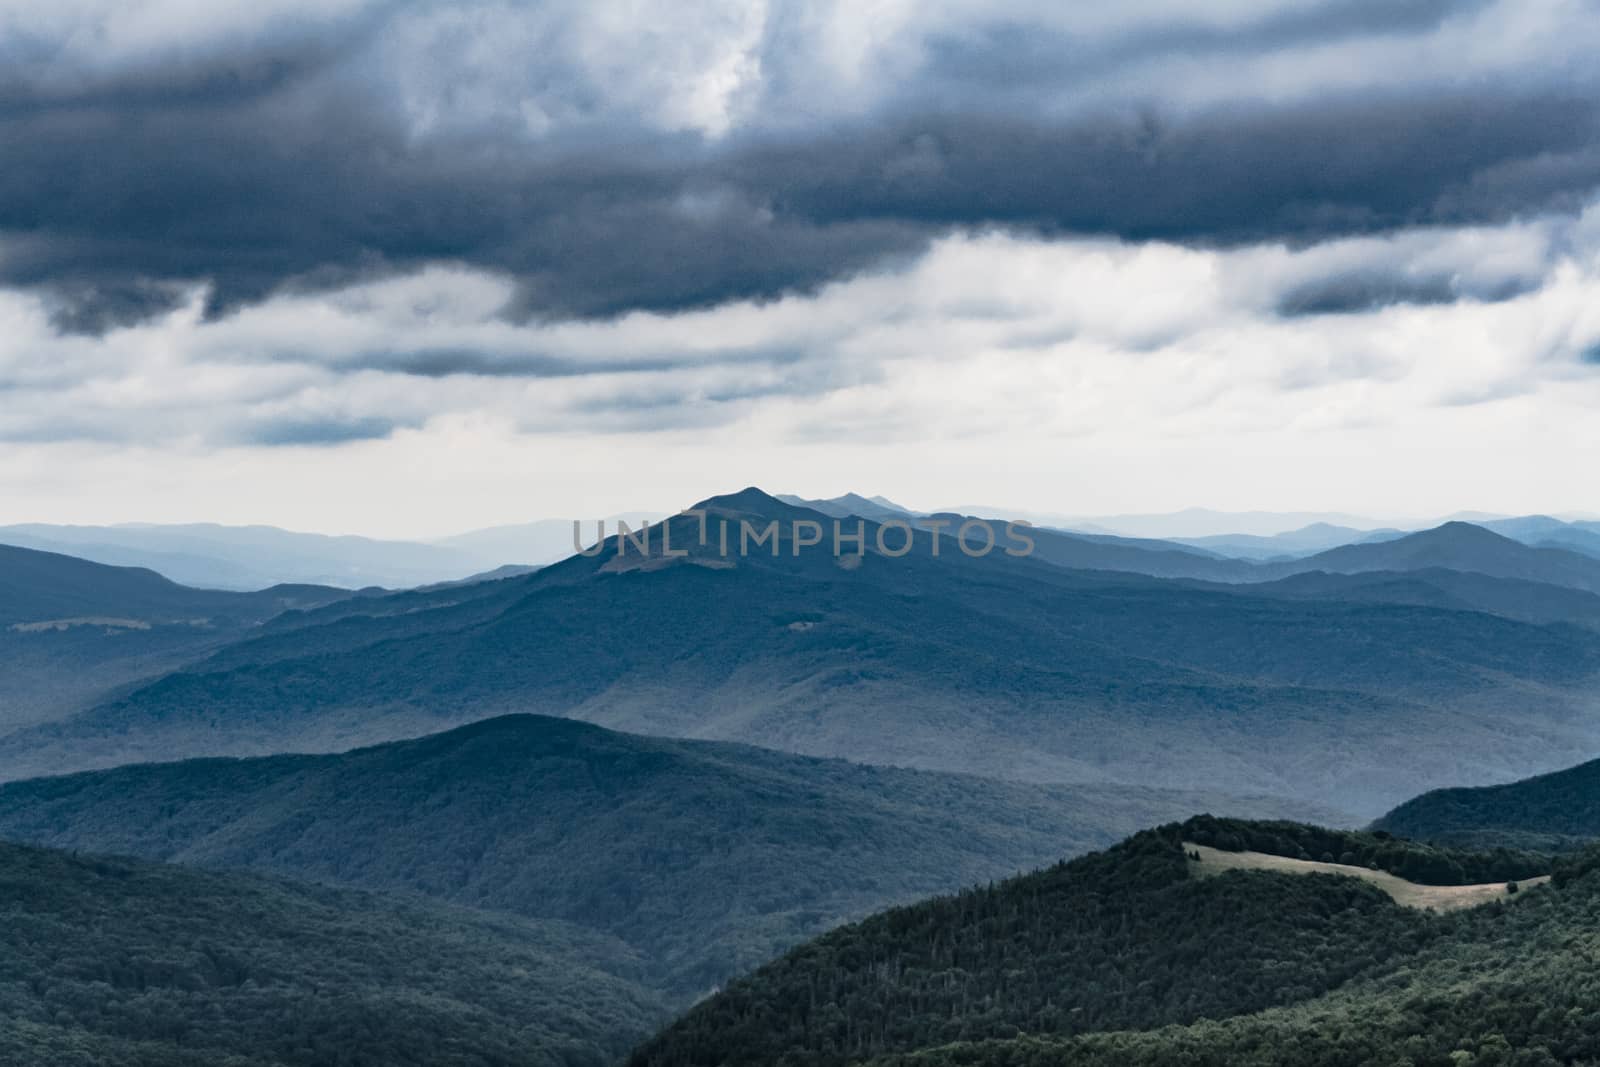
(208, 555)
(1523, 552)
(1006, 666)
(38, 587)
(1317, 537)
(1543, 531)
(1457, 546)
(71, 631)
(1206, 522)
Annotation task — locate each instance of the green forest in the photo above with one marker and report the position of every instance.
(1551, 812)
(708, 859)
(1512, 985)
(120, 963)
(1124, 941)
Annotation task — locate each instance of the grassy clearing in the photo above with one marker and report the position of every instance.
(1411, 894)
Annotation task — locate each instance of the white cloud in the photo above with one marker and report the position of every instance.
(1074, 375)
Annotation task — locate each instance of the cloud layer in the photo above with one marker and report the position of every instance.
(608, 159)
(305, 261)
(1071, 336)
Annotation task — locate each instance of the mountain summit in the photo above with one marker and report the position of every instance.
(1460, 546)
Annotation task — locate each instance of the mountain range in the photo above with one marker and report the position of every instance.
(209, 555)
(213, 556)
(1005, 666)
(1546, 532)
(1291, 544)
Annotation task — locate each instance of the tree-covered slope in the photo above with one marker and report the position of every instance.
(1504, 985)
(1120, 940)
(121, 963)
(710, 858)
(1554, 811)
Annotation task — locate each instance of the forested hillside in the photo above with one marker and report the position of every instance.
(1552, 811)
(120, 963)
(1505, 985)
(1120, 940)
(709, 858)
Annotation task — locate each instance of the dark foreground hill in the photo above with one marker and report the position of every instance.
(120, 963)
(707, 858)
(1129, 956)
(1551, 811)
(1002, 666)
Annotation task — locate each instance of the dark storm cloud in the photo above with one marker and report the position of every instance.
(93, 307)
(253, 197)
(1360, 291)
(285, 169)
(1300, 173)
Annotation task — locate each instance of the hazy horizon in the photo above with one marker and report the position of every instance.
(1208, 521)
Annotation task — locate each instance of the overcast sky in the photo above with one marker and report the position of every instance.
(410, 268)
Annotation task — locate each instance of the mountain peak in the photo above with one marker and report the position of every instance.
(1460, 530)
(750, 498)
(753, 500)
